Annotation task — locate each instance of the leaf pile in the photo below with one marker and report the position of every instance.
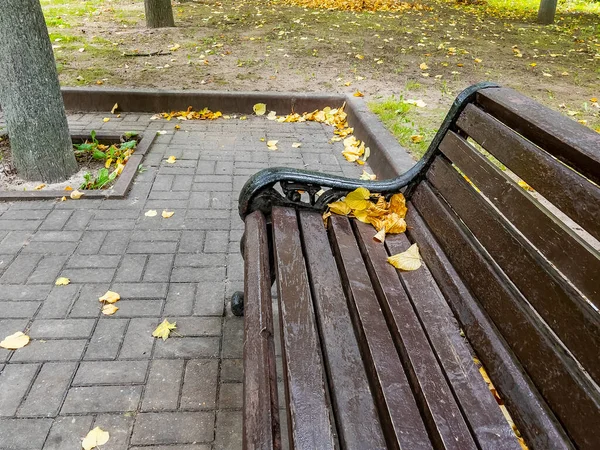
(358, 5)
(190, 114)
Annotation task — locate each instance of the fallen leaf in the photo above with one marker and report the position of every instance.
(296, 145)
(94, 438)
(15, 341)
(408, 260)
(359, 56)
(416, 138)
(164, 329)
(109, 310)
(525, 186)
(340, 208)
(167, 214)
(151, 213)
(68, 188)
(358, 94)
(175, 47)
(594, 100)
(110, 297)
(171, 159)
(272, 115)
(63, 199)
(76, 195)
(272, 145)
(177, 127)
(358, 199)
(39, 187)
(260, 109)
(367, 176)
(477, 60)
(62, 281)
(106, 119)
(423, 66)
(114, 108)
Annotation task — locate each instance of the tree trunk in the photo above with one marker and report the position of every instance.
(159, 13)
(30, 95)
(547, 11)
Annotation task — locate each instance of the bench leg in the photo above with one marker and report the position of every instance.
(237, 303)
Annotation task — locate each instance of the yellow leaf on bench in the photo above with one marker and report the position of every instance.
(408, 260)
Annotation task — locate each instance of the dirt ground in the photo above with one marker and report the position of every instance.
(429, 51)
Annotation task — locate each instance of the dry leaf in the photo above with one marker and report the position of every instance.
(39, 187)
(359, 56)
(423, 66)
(114, 108)
(416, 138)
(340, 208)
(106, 119)
(63, 199)
(167, 214)
(367, 176)
(164, 329)
(358, 94)
(272, 115)
(62, 281)
(68, 188)
(260, 109)
(171, 159)
(296, 145)
(408, 260)
(110, 297)
(151, 213)
(109, 309)
(76, 195)
(94, 438)
(525, 186)
(15, 341)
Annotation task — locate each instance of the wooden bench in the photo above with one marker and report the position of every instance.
(378, 358)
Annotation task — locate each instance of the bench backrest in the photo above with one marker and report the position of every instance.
(521, 229)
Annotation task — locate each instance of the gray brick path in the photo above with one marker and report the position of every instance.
(82, 369)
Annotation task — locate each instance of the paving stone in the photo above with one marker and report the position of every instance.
(89, 275)
(86, 262)
(56, 220)
(216, 241)
(59, 301)
(51, 350)
(12, 310)
(47, 269)
(173, 428)
(98, 399)
(20, 214)
(24, 434)
(151, 247)
(107, 338)
(91, 242)
(17, 292)
(232, 370)
(57, 236)
(200, 384)
(158, 268)
(19, 225)
(229, 431)
(119, 426)
(210, 298)
(87, 304)
(187, 347)
(20, 269)
(111, 372)
(141, 290)
(61, 328)
(163, 386)
(48, 390)
(67, 432)
(10, 326)
(191, 242)
(138, 340)
(131, 268)
(233, 336)
(180, 299)
(140, 308)
(15, 380)
(50, 248)
(115, 242)
(197, 326)
(231, 396)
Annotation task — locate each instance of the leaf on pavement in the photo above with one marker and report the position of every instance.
(76, 195)
(167, 214)
(171, 159)
(94, 438)
(367, 176)
(39, 187)
(151, 213)
(358, 94)
(296, 145)
(110, 297)
(164, 329)
(62, 281)
(15, 341)
(260, 109)
(109, 309)
(408, 260)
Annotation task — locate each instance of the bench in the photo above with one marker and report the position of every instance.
(373, 357)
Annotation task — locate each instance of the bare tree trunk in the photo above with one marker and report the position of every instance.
(547, 11)
(159, 13)
(30, 95)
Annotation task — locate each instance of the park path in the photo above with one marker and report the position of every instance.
(82, 369)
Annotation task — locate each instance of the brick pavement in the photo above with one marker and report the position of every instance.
(83, 369)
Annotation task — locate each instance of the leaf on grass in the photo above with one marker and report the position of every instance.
(110, 297)
(340, 208)
(151, 213)
(525, 186)
(94, 438)
(260, 109)
(109, 309)
(164, 329)
(15, 341)
(62, 281)
(477, 60)
(296, 145)
(416, 138)
(358, 199)
(171, 159)
(114, 108)
(39, 187)
(76, 195)
(408, 260)
(167, 214)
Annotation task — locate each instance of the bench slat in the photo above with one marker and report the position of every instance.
(356, 417)
(564, 138)
(566, 312)
(399, 414)
(261, 414)
(567, 190)
(530, 412)
(443, 416)
(308, 412)
(567, 251)
(553, 372)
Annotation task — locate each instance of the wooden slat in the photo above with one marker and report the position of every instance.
(478, 404)
(551, 369)
(567, 190)
(575, 322)
(261, 414)
(565, 249)
(399, 414)
(444, 419)
(308, 412)
(564, 138)
(535, 420)
(356, 417)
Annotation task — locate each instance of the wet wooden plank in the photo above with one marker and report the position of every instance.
(355, 413)
(563, 247)
(546, 362)
(443, 416)
(398, 411)
(309, 421)
(562, 137)
(573, 319)
(261, 414)
(533, 417)
(567, 190)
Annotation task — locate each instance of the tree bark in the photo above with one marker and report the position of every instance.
(30, 95)
(547, 11)
(159, 13)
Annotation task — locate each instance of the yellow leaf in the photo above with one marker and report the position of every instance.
(367, 176)
(533, 64)
(416, 138)
(358, 199)
(423, 66)
(260, 109)
(151, 213)
(477, 60)
(167, 214)
(358, 94)
(340, 208)
(109, 309)
(15, 341)
(68, 188)
(177, 127)
(296, 145)
(243, 118)
(175, 47)
(62, 281)
(380, 236)
(525, 186)
(408, 260)
(594, 100)
(106, 119)
(76, 195)
(108, 163)
(359, 56)
(171, 159)
(94, 438)
(272, 145)
(63, 199)
(398, 204)
(39, 187)
(114, 108)
(110, 297)
(347, 83)
(164, 329)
